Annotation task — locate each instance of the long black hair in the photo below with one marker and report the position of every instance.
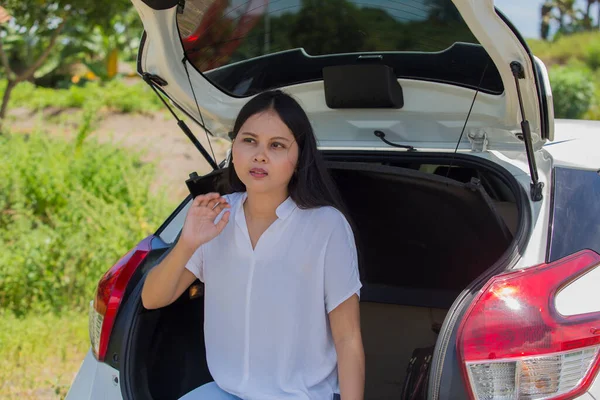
(311, 185)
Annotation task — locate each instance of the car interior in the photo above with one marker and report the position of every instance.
(439, 228)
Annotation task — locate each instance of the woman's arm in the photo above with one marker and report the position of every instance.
(166, 281)
(345, 328)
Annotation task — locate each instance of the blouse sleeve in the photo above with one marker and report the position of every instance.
(342, 278)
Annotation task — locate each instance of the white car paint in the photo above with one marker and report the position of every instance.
(581, 296)
(499, 115)
(576, 145)
(95, 381)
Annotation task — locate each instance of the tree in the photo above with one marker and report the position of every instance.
(568, 16)
(444, 10)
(328, 27)
(587, 17)
(45, 21)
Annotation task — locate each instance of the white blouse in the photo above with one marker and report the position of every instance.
(266, 327)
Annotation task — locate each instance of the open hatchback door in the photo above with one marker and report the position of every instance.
(428, 75)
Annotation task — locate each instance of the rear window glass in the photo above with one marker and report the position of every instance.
(244, 47)
(575, 212)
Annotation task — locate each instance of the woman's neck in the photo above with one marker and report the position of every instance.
(259, 206)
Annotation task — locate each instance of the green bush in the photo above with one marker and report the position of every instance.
(566, 48)
(68, 211)
(115, 95)
(573, 91)
(592, 56)
(594, 112)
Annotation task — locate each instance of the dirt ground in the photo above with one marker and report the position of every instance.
(156, 135)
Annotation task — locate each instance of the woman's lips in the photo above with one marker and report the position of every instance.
(258, 173)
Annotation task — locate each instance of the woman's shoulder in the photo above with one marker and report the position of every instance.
(328, 215)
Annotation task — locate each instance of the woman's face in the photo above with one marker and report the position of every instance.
(265, 153)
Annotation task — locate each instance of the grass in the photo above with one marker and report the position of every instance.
(68, 211)
(120, 95)
(578, 55)
(583, 47)
(40, 354)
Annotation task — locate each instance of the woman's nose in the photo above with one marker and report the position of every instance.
(260, 155)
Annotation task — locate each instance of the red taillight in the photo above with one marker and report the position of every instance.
(514, 344)
(109, 294)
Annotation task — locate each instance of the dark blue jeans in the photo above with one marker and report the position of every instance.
(211, 391)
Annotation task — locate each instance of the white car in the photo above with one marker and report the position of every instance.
(474, 208)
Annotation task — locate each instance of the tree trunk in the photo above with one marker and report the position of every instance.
(28, 73)
(587, 18)
(9, 88)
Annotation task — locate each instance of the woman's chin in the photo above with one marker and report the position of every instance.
(264, 186)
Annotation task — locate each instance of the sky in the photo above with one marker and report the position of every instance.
(525, 14)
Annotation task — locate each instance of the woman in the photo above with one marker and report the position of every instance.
(279, 263)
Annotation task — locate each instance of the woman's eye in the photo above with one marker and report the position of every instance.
(278, 145)
(248, 140)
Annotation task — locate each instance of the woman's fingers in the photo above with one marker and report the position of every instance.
(203, 199)
(223, 222)
(219, 206)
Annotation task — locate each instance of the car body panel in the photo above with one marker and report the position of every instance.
(594, 392)
(95, 381)
(499, 115)
(576, 144)
(580, 296)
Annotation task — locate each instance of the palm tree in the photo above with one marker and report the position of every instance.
(564, 12)
(546, 19)
(587, 17)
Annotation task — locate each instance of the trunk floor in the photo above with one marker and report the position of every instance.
(390, 334)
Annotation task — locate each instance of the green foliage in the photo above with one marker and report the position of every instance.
(594, 112)
(581, 46)
(568, 15)
(592, 54)
(117, 95)
(39, 13)
(328, 27)
(39, 354)
(36, 25)
(67, 213)
(574, 67)
(573, 91)
(331, 27)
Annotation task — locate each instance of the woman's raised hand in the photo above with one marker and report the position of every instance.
(199, 226)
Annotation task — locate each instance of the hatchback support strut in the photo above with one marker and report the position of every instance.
(153, 81)
(536, 186)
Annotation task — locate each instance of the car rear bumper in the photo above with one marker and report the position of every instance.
(95, 381)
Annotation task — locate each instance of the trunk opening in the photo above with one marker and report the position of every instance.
(422, 238)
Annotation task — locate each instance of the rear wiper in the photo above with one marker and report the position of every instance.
(381, 136)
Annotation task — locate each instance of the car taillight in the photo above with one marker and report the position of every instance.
(514, 344)
(110, 291)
